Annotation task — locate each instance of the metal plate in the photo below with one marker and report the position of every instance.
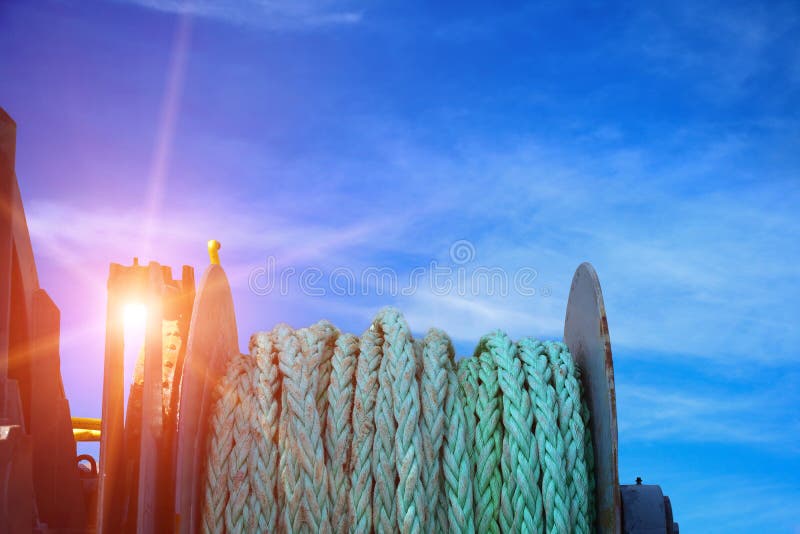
(211, 342)
(586, 335)
(150, 491)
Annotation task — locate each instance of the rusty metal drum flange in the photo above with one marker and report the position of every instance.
(586, 335)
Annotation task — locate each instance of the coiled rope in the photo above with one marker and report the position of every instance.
(319, 431)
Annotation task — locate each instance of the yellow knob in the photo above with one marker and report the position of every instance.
(213, 251)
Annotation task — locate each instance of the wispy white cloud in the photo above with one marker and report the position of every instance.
(686, 269)
(116, 235)
(691, 250)
(272, 14)
(466, 318)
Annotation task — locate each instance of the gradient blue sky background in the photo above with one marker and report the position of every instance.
(660, 142)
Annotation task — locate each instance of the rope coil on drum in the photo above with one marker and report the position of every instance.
(319, 431)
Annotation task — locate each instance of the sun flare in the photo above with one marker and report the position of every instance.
(135, 317)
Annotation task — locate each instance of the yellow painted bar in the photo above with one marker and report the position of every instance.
(82, 434)
(86, 423)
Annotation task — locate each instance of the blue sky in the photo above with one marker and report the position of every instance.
(661, 143)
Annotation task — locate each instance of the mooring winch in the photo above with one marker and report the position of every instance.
(153, 473)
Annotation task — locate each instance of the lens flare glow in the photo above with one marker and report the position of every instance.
(134, 316)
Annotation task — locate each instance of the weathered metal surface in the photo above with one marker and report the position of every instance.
(59, 499)
(16, 501)
(212, 340)
(586, 335)
(645, 510)
(8, 137)
(150, 516)
(136, 462)
(31, 391)
(88, 479)
(110, 471)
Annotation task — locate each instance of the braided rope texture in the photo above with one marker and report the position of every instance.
(264, 454)
(570, 423)
(339, 429)
(437, 354)
(366, 392)
(549, 441)
(319, 431)
(220, 447)
(487, 448)
(305, 480)
(456, 498)
(384, 514)
(408, 443)
(520, 500)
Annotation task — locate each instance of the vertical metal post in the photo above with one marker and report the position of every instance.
(111, 436)
(148, 511)
(8, 136)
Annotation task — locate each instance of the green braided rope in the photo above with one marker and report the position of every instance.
(588, 448)
(520, 501)
(497, 347)
(366, 390)
(456, 498)
(549, 441)
(437, 354)
(570, 423)
(384, 512)
(408, 446)
(339, 429)
(488, 446)
(468, 384)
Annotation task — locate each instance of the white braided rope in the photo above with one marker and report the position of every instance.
(263, 469)
(218, 450)
(237, 511)
(303, 472)
(339, 429)
(326, 335)
(384, 472)
(366, 390)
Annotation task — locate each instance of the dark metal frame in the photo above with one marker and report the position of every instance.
(43, 490)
